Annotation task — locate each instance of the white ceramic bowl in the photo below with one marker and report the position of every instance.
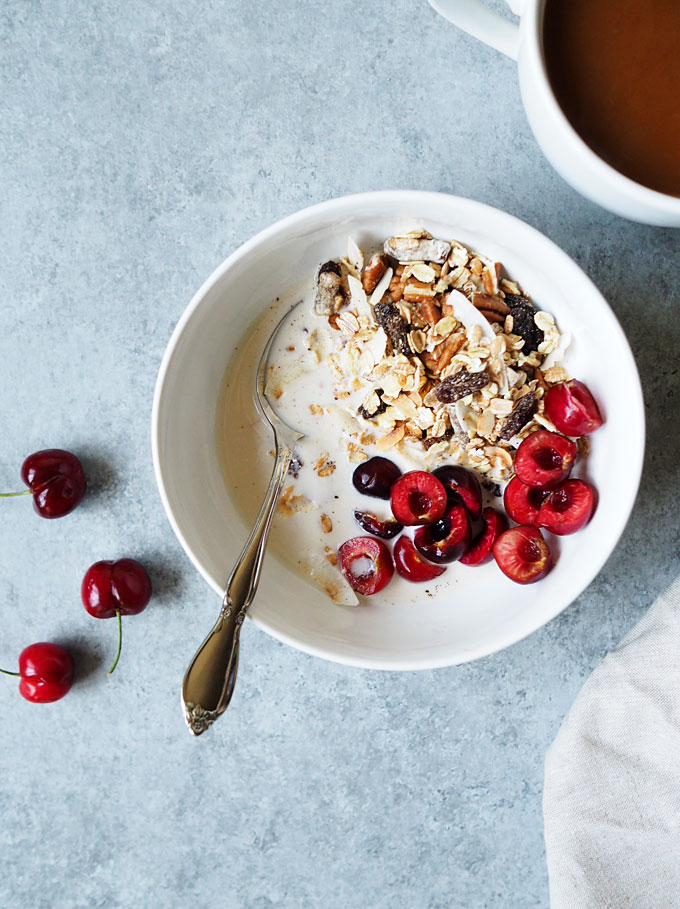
(487, 612)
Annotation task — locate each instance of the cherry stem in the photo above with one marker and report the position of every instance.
(11, 495)
(7, 672)
(120, 642)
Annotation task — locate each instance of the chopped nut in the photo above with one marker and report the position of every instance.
(326, 470)
(326, 523)
(583, 445)
(491, 302)
(440, 358)
(376, 268)
(429, 311)
(397, 284)
(460, 385)
(418, 291)
(490, 276)
(540, 380)
(492, 316)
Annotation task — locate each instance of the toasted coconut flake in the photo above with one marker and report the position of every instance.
(381, 287)
(354, 255)
(391, 439)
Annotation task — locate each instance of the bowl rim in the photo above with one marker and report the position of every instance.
(333, 208)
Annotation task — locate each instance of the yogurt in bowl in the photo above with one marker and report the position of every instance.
(468, 613)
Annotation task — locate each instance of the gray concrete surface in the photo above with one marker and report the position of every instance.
(139, 144)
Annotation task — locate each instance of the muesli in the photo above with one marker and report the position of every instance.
(435, 351)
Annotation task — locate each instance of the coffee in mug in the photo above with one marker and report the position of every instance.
(614, 67)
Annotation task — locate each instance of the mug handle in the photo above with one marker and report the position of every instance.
(482, 23)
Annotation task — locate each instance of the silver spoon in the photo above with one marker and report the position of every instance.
(209, 681)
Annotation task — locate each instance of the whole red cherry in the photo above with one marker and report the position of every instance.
(46, 672)
(115, 588)
(56, 480)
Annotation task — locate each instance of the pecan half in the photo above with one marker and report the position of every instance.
(418, 291)
(492, 302)
(428, 310)
(397, 284)
(376, 268)
(437, 360)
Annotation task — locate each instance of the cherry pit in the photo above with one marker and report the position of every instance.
(445, 507)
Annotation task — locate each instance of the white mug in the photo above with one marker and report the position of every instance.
(561, 144)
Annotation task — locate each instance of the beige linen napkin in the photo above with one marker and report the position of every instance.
(611, 800)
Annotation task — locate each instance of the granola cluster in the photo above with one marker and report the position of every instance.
(434, 351)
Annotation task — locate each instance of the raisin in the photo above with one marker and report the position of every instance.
(428, 443)
(330, 266)
(396, 329)
(382, 407)
(522, 412)
(523, 313)
(460, 385)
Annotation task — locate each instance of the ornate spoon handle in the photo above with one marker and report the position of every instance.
(209, 680)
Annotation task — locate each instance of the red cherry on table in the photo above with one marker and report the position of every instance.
(46, 672)
(571, 408)
(115, 588)
(56, 480)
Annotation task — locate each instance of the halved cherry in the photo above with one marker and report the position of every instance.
(522, 554)
(544, 459)
(481, 548)
(447, 539)
(462, 486)
(366, 563)
(418, 497)
(567, 508)
(371, 523)
(411, 565)
(572, 409)
(522, 502)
